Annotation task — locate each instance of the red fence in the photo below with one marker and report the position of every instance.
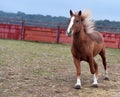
(8, 31)
(111, 40)
(41, 34)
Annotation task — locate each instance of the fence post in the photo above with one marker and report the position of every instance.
(58, 34)
(22, 30)
(119, 43)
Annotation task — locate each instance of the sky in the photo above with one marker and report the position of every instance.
(100, 9)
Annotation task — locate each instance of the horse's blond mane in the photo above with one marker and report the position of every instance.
(87, 22)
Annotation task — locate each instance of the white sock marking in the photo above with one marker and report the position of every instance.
(94, 80)
(78, 82)
(106, 74)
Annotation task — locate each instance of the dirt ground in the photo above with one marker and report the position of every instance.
(30, 69)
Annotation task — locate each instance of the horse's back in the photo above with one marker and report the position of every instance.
(96, 36)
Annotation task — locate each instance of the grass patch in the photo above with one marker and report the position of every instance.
(31, 69)
(113, 56)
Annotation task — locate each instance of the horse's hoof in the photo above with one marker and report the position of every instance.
(77, 87)
(95, 85)
(106, 78)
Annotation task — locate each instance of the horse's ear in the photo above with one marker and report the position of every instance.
(79, 13)
(71, 13)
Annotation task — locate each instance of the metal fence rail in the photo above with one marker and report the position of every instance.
(44, 33)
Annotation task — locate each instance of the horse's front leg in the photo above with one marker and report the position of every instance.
(94, 71)
(78, 69)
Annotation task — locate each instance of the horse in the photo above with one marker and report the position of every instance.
(86, 44)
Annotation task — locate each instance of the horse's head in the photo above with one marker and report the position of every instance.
(74, 23)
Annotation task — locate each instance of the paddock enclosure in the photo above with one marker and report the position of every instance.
(32, 69)
(46, 34)
(45, 68)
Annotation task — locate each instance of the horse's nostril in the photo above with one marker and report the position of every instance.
(69, 34)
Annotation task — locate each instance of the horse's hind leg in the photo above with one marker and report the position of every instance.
(95, 76)
(103, 56)
(96, 69)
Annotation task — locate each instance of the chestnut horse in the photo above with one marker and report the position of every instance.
(86, 44)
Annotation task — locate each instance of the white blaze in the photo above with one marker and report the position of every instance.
(70, 24)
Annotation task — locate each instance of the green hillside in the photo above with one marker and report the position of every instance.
(52, 21)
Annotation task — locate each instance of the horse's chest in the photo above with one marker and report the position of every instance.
(80, 52)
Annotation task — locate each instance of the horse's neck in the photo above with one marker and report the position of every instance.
(80, 36)
(79, 41)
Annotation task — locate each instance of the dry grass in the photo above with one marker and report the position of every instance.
(29, 69)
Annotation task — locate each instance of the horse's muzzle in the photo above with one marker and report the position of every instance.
(69, 33)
